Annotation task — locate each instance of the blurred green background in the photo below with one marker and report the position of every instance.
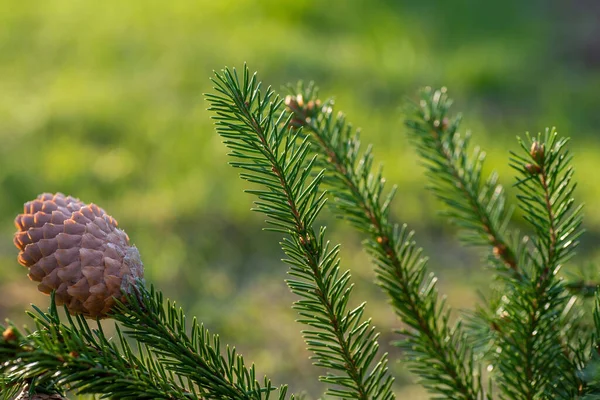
(104, 101)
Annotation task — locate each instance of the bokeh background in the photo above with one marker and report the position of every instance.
(104, 101)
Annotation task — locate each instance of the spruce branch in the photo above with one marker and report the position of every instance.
(521, 322)
(546, 188)
(256, 130)
(166, 364)
(545, 193)
(479, 209)
(83, 359)
(431, 343)
(535, 355)
(590, 375)
(475, 205)
(12, 388)
(196, 356)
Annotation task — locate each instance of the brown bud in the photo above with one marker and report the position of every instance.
(294, 103)
(77, 250)
(303, 112)
(499, 250)
(537, 152)
(445, 123)
(290, 102)
(9, 334)
(313, 105)
(533, 169)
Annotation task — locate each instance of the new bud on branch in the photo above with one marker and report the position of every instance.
(77, 250)
(302, 111)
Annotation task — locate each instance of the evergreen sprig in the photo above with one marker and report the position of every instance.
(83, 359)
(590, 375)
(256, 129)
(534, 355)
(438, 351)
(196, 355)
(546, 191)
(477, 206)
(522, 323)
(166, 364)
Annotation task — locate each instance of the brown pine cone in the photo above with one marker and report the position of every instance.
(77, 250)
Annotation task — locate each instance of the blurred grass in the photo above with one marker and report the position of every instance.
(105, 103)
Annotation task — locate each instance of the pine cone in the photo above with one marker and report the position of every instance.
(77, 250)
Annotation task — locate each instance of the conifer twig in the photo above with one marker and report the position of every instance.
(254, 127)
(546, 187)
(476, 207)
(519, 321)
(77, 357)
(401, 270)
(195, 355)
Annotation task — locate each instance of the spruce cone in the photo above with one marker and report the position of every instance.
(77, 250)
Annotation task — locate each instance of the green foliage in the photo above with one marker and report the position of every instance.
(438, 351)
(475, 205)
(256, 130)
(167, 363)
(526, 324)
(536, 334)
(75, 356)
(197, 356)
